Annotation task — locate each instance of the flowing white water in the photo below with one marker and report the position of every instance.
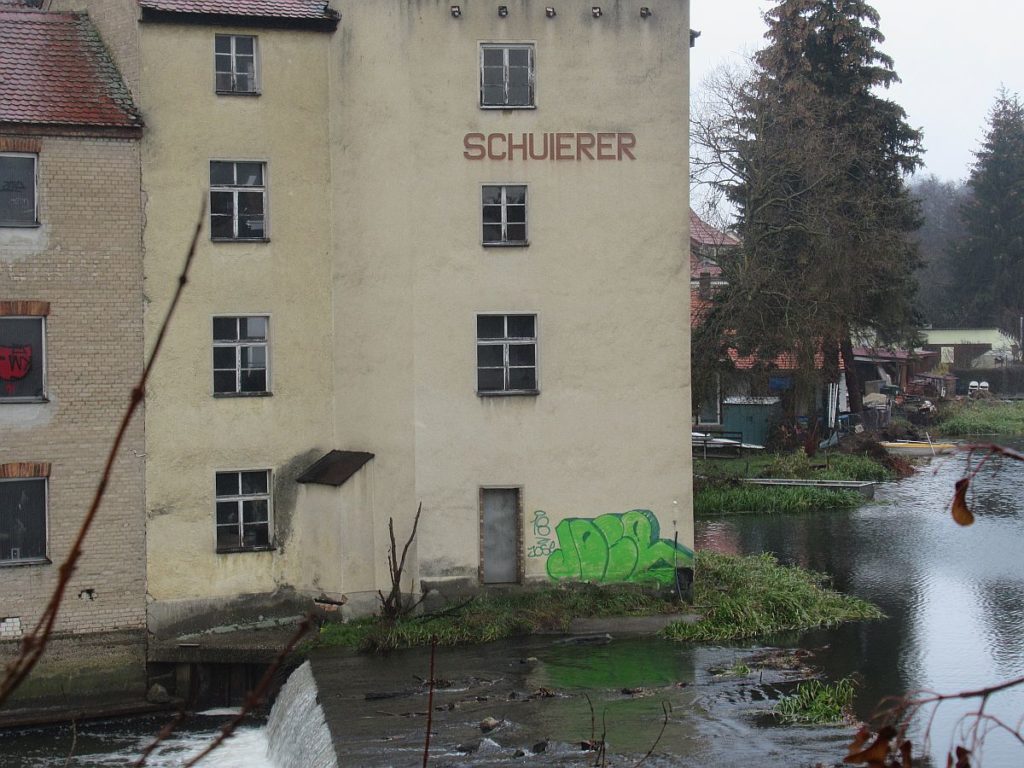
(297, 732)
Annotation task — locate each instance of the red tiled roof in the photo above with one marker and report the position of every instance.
(55, 70)
(287, 9)
(702, 233)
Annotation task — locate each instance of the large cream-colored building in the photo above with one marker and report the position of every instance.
(443, 262)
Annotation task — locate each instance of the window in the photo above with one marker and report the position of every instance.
(22, 359)
(236, 64)
(504, 214)
(506, 76)
(22, 520)
(238, 200)
(243, 510)
(18, 190)
(240, 355)
(506, 354)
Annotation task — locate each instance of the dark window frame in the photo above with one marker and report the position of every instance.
(232, 72)
(42, 395)
(43, 557)
(511, 346)
(240, 499)
(487, 68)
(497, 233)
(238, 344)
(34, 220)
(232, 192)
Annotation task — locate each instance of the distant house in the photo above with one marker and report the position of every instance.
(961, 348)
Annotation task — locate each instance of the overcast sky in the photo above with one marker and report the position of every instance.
(951, 56)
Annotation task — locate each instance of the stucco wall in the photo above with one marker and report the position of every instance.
(605, 270)
(194, 434)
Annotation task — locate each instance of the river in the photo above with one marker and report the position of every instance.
(955, 604)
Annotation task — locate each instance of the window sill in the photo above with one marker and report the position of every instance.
(239, 239)
(23, 400)
(25, 562)
(237, 93)
(510, 393)
(20, 225)
(508, 106)
(229, 395)
(510, 244)
(242, 550)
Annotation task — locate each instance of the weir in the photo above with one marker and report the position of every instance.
(297, 731)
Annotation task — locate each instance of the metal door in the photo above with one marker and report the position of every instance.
(499, 535)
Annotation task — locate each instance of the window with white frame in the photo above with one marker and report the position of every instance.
(236, 64)
(506, 354)
(22, 520)
(243, 510)
(238, 200)
(506, 75)
(504, 214)
(22, 359)
(18, 189)
(240, 355)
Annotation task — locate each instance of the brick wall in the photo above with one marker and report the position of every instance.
(85, 261)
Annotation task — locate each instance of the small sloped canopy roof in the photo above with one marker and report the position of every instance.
(335, 467)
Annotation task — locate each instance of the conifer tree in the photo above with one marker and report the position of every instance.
(989, 260)
(820, 159)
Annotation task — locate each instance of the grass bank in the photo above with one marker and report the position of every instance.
(981, 417)
(719, 490)
(739, 597)
(747, 597)
(495, 616)
(755, 498)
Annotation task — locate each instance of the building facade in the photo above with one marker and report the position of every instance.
(443, 263)
(71, 344)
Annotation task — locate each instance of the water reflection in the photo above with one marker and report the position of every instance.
(954, 596)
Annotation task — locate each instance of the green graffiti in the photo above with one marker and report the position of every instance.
(616, 548)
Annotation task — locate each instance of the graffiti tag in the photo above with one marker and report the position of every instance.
(544, 544)
(616, 547)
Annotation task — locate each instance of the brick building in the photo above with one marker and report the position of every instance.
(70, 346)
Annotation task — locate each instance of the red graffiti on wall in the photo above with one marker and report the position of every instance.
(15, 362)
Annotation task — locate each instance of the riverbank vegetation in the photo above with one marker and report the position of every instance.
(740, 598)
(982, 417)
(719, 488)
(817, 703)
(759, 498)
(489, 617)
